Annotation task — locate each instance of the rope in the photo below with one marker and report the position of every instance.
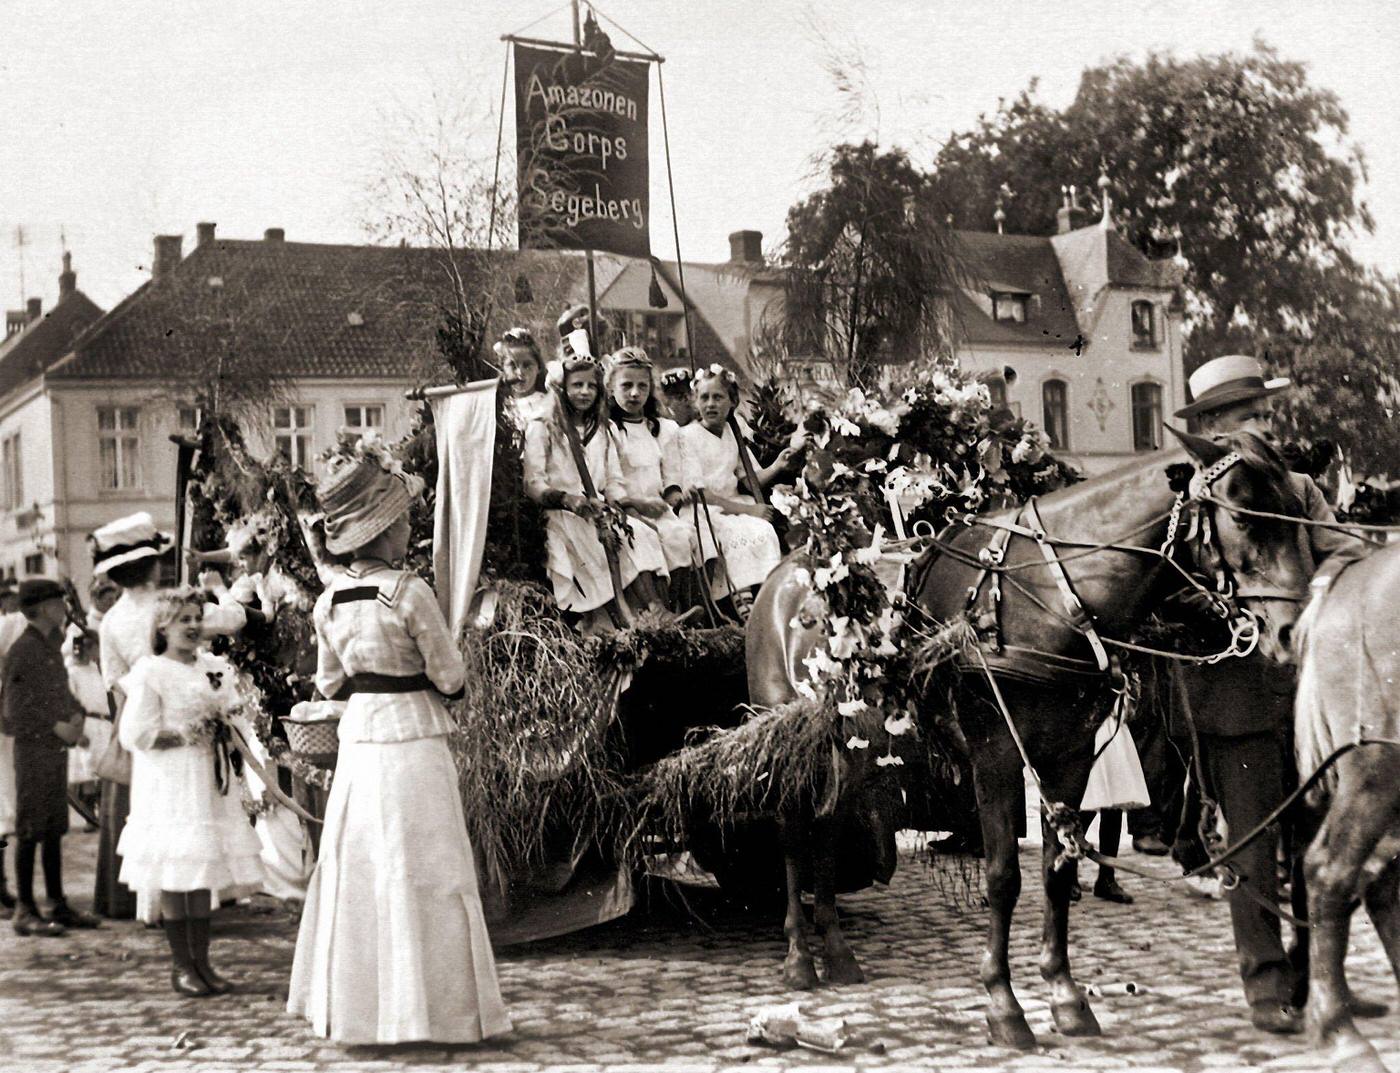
(606, 18)
(1349, 528)
(675, 221)
(500, 138)
(546, 15)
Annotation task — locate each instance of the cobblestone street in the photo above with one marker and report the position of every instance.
(661, 988)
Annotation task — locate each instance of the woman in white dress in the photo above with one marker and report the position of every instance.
(576, 561)
(652, 474)
(187, 840)
(748, 543)
(1116, 784)
(393, 945)
(522, 369)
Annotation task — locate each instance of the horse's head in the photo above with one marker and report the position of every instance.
(1257, 560)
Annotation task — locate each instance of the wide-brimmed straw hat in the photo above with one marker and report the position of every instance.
(127, 540)
(1228, 380)
(361, 499)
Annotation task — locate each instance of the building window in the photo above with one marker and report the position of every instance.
(119, 447)
(292, 430)
(996, 390)
(1144, 324)
(34, 564)
(1054, 399)
(362, 419)
(13, 475)
(187, 419)
(1009, 307)
(653, 332)
(1147, 417)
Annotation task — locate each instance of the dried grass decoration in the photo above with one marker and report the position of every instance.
(531, 738)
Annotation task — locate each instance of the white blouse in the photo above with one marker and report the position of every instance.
(650, 464)
(549, 462)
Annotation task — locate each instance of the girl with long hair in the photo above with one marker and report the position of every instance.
(576, 560)
(523, 370)
(652, 475)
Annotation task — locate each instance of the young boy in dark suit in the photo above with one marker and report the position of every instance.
(40, 713)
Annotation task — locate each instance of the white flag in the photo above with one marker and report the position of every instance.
(465, 422)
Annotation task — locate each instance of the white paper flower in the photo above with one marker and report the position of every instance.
(889, 761)
(854, 742)
(851, 708)
(895, 726)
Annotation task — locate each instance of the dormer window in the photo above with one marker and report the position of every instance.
(1144, 317)
(1009, 307)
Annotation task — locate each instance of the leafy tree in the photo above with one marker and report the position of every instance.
(867, 260)
(1239, 164)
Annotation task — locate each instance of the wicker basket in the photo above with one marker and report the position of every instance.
(312, 732)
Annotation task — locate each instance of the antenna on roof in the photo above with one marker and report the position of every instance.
(21, 241)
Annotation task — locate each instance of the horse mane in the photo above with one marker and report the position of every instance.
(1264, 459)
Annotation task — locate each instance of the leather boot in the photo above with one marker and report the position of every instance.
(199, 954)
(184, 977)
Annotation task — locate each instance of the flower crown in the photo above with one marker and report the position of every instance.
(674, 377)
(721, 372)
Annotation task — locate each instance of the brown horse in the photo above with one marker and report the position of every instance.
(1055, 712)
(1349, 666)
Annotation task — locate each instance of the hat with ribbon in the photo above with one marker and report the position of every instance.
(361, 498)
(126, 540)
(1228, 380)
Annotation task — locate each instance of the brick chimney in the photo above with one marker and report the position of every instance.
(274, 234)
(67, 279)
(15, 320)
(168, 252)
(33, 310)
(204, 233)
(746, 248)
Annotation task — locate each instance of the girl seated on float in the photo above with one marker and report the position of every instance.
(748, 544)
(675, 389)
(650, 456)
(522, 369)
(576, 560)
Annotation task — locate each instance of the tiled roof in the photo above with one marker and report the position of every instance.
(1128, 267)
(310, 310)
(41, 344)
(1021, 263)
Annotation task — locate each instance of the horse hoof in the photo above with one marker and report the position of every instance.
(1353, 1054)
(1011, 1032)
(1075, 1019)
(799, 974)
(844, 970)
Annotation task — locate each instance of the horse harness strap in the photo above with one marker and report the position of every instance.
(1074, 606)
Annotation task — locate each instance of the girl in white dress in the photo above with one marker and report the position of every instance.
(393, 945)
(747, 540)
(522, 369)
(576, 561)
(187, 838)
(652, 474)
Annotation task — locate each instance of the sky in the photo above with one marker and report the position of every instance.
(123, 121)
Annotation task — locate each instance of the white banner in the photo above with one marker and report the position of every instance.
(465, 421)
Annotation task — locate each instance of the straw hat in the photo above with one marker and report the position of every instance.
(126, 540)
(1228, 380)
(361, 499)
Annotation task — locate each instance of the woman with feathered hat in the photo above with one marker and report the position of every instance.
(393, 945)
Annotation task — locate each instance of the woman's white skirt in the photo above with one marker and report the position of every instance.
(750, 546)
(182, 834)
(1116, 779)
(393, 945)
(578, 565)
(679, 543)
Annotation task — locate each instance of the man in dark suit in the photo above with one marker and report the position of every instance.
(45, 720)
(1243, 708)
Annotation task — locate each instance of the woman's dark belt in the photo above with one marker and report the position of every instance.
(385, 683)
(390, 683)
